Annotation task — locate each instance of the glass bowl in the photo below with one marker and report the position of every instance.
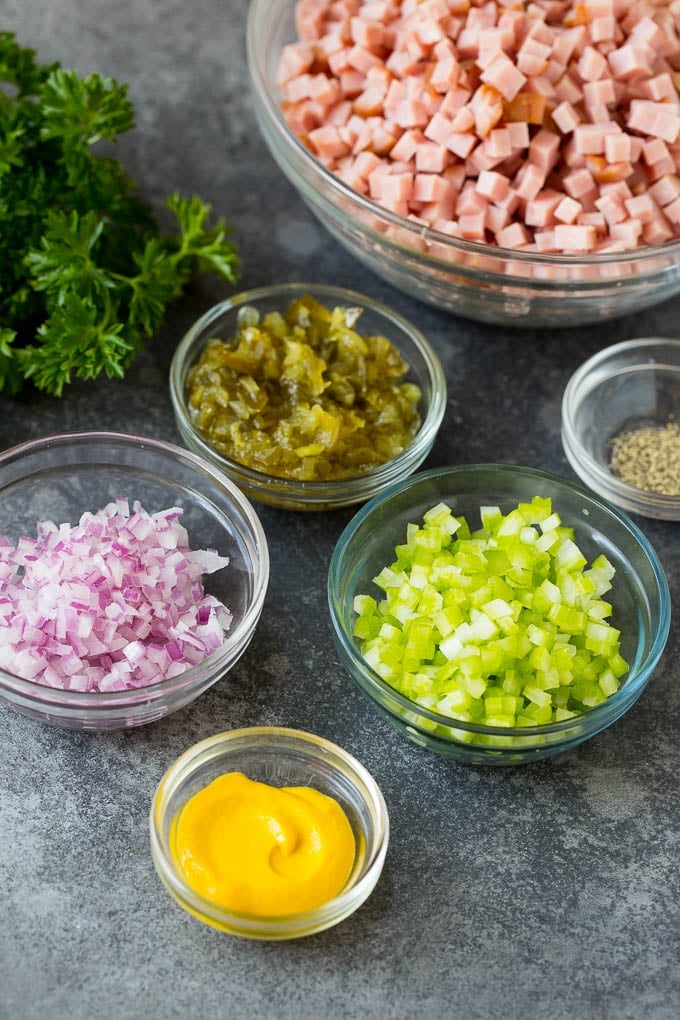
(59, 477)
(424, 369)
(629, 386)
(640, 600)
(471, 279)
(279, 757)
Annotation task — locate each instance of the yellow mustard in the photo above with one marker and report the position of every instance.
(263, 850)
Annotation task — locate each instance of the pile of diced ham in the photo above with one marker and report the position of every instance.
(548, 126)
(113, 603)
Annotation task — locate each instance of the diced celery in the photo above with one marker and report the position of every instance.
(500, 720)
(366, 627)
(609, 683)
(550, 523)
(490, 517)
(536, 511)
(563, 713)
(568, 619)
(364, 604)
(501, 626)
(618, 665)
(448, 618)
(475, 686)
(540, 636)
(569, 557)
(537, 696)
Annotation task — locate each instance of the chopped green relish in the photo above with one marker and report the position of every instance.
(301, 394)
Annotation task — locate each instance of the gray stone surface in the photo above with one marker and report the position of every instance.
(545, 891)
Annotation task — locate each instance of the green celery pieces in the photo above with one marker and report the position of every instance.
(505, 626)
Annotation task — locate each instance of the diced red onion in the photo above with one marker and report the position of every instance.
(115, 602)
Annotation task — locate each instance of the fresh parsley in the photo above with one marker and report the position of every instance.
(85, 273)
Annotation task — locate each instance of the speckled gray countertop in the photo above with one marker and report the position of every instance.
(548, 891)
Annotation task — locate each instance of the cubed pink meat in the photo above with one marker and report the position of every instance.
(296, 59)
(431, 158)
(592, 64)
(575, 237)
(504, 76)
(549, 125)
(568, 210)
(539, 212)
(565, 117)
(492, 185)
(515, 235)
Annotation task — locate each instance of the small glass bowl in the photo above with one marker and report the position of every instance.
(59, 477)
(481, 281)
(639, 596)
(279, 757)
(624, 387)
(424, 369)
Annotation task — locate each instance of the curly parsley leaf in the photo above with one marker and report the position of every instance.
(76, 342)
(82, 111)
(85, 273)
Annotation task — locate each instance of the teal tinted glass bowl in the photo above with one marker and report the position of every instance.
(639, 596)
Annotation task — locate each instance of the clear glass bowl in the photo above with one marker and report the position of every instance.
(475, 280)
(280, 757)
(60, 477)
(640, 600)
(628, 386)
(292, 494)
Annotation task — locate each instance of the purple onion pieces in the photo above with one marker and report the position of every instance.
(114, 603)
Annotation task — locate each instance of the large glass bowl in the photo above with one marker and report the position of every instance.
(425, 370)
(279, 757)
(628, 386)
(475, 280)
(639, 597)
(59, 477)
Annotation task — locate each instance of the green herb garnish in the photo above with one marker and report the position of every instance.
(85, 274)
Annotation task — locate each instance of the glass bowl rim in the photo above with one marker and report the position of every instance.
(373, 684)
(582, 461)
(316, 490)
(343, 904)
(105, 700)
(257, 15)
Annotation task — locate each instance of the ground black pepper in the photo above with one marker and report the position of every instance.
(649, 458)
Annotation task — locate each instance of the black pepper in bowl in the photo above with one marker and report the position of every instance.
(649, 458)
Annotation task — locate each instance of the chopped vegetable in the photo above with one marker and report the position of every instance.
(504, 626)
(113, 603)
(85, 275)
(303, 394)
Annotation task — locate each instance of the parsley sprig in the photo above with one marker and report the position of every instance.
(85, 273)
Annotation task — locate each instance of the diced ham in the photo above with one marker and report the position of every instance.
(655, 119)
(665, 190)
(487, 107)
(575, 237)
(472, 226)
(540, 211)
(544, 149)
(431, 158)
(504, 76)
(568, 210)
(296, 59)
(565, 117)
(492, 185)
(515, 235)
(542, 125)
(592, 64)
